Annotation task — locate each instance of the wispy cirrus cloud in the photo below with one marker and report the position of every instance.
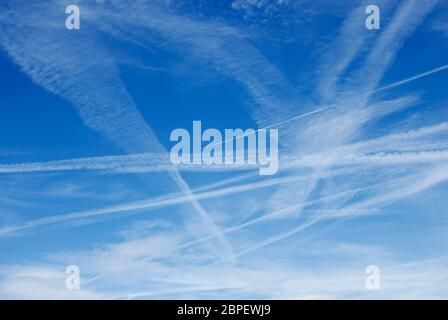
(44, 52)
(332, 171)
(155, 276)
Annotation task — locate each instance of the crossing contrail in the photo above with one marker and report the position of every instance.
(365, 94)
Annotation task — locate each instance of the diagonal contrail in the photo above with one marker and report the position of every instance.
(88, 78)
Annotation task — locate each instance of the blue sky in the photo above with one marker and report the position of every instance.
(86, 117)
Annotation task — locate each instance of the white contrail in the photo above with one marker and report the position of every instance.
(338, 127)
(160, 161)
(286, 211)
(133, 163)
(158, 202)
(357, 209)
(143, 163)
(89, 80)
(364, 94)
(434, 177)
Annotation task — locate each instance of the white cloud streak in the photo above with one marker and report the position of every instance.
(87, 78)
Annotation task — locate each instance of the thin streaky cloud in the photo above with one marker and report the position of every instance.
(359, 161)
(435, 177)
(338, 157)
(45, 54)
(153, 203)
(180, 199)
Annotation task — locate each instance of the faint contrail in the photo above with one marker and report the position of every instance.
(345, 155)
(99, 163)
(425, 182)
(365, 94)
(158, 202)
(89, 80)
(361, 95)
